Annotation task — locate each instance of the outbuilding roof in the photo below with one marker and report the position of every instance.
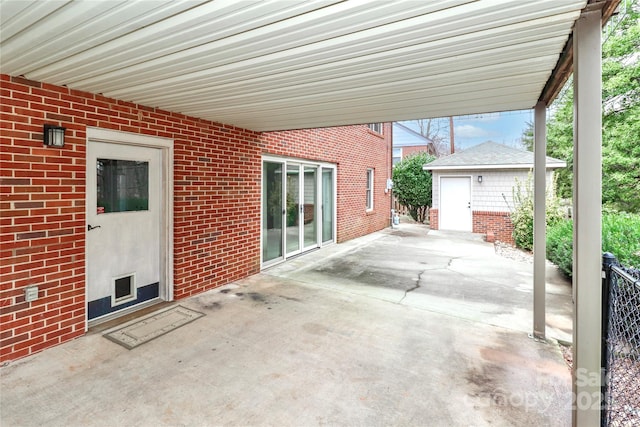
(490, 155)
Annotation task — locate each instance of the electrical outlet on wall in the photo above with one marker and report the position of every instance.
(31, 293)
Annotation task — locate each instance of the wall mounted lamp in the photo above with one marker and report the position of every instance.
(479, 178)
(54, 136)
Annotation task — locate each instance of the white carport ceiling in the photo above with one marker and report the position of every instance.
(270, 65)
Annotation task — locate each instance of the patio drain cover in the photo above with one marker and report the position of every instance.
(153, 326)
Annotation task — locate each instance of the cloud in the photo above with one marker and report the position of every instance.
(470, 131)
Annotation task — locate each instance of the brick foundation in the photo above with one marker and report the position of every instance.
(217, 193)
(498, 223)
(433, 219)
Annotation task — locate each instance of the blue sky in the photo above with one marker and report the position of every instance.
(505, 128)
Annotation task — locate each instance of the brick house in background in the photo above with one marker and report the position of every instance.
(473, 189)
(406, 142)
(143, 205)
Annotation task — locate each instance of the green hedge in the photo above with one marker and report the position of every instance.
(560, 245)
(620, 236)
(522, 214)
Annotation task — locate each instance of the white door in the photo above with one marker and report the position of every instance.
(455, 203)
(123, 227)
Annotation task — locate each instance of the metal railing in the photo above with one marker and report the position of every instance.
(620, 344)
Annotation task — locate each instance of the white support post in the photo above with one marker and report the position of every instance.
(539, 219)
(587, 208)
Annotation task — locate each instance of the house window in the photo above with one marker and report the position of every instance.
(376, 127)
(397, 155)
(369, 189)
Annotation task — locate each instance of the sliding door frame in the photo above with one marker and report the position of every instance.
(318, 208)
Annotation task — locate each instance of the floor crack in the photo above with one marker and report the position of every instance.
(416, 286)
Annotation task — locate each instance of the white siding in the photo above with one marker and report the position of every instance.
(494, 194)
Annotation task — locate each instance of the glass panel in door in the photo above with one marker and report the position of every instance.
(122, 185)
(327, 204)
(309, 208)
(293, 208)
(272, 211)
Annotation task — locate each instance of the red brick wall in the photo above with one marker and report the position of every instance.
(354, 149)
(42, 219)
(217, 170)
(411, 150)
(433, 219)
(497, 222)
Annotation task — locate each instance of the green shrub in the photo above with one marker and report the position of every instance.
(522, 214)
(620, 236)
(412, 185)
(522, 219)
(560, 245)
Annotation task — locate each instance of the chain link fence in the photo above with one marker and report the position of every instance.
(621, 345)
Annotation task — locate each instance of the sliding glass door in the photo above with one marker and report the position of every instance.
(272, 201)
(293, 209)
(327, 205)
(298, 207)
(310, 207)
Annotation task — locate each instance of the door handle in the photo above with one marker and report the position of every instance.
(90, 227)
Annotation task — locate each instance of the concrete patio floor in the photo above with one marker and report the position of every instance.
(402, 327)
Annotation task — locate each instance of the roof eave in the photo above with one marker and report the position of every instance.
(550, 165)
(564, 66)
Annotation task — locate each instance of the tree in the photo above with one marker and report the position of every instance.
(560, 143)
(437, 131)
(526, 140)
(412, 185)
(620, 120)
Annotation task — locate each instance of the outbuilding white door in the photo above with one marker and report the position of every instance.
(455, 203)
(123, 227)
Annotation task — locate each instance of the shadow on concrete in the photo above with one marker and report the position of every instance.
(403, 327)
